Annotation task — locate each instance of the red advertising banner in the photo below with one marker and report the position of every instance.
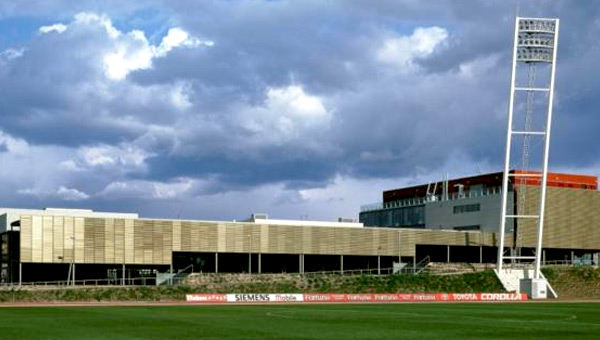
(355, 298)
(206, 298)
(424, 297)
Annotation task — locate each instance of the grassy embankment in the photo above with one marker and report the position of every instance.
(281, 283)
(575, 282)
(570, 283)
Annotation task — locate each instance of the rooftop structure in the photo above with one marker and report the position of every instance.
(265, 220)
(473, 185)
(9, 217)
(468, 203)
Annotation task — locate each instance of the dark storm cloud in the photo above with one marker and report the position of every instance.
(244, 173)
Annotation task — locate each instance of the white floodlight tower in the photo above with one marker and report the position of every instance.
(535, 42)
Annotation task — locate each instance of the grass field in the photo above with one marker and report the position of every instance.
(383, 321)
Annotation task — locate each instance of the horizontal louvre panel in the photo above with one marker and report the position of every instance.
(176, 236)
(26, 222)
(47, 239)
(129, 241)
(79, 228)
(69, 239)
(109, 241)
(58, 238)
(36, 239)
(119, 241)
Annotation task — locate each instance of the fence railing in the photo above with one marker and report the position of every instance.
(407, 202)
(576, 262)
(137, 281)
(182, 275)
(369, 271)
(414, 269)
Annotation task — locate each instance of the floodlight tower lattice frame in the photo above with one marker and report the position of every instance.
(535, 41)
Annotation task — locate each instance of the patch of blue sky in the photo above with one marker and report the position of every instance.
(152, 22)
(17, 31)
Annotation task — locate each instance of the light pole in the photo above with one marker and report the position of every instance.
(379, 260)
(249, 253)
(399, 247)
(72, 264)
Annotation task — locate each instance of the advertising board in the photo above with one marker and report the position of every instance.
(355, 298)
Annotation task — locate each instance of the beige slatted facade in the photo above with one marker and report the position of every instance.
(104, 241)
(572, 222)
(118, 241)
(572, 219)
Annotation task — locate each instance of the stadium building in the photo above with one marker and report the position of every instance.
(572, 221)
(451, 221)
(470, 203)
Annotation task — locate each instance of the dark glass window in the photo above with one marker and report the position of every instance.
(468, 227)
(411, 217)
(459, 209)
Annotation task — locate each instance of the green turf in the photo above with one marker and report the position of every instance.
(384, 321)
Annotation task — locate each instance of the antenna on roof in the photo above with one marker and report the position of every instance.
(430, 196)
(445, 184)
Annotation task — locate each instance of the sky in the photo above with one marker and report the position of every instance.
(299, 109)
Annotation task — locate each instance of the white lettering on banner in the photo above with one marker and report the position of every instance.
(386, 297)
(317, 297)
(265, 297)
(465, 297)
(501, 297)
(251, 297)
(359, 297)
(424, 297)
(206, 298)
(288, 297)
